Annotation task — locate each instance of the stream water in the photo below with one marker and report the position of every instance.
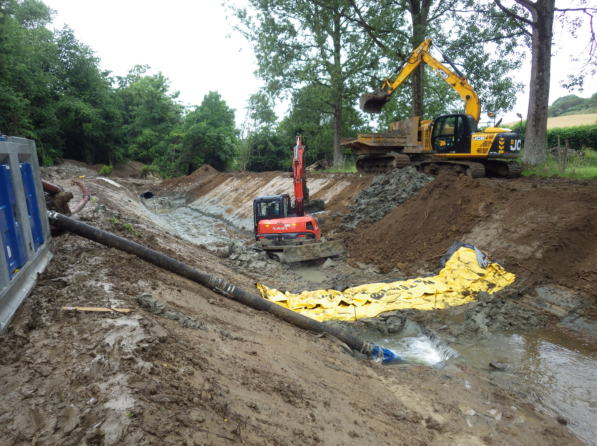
(555, 371)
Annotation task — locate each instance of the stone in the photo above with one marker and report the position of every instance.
(498, 365)
(328, 264)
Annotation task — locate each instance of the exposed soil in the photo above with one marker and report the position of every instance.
(540, 228)
(132, 169)
(75, 378)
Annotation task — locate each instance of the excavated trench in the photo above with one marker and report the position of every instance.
(549, 369)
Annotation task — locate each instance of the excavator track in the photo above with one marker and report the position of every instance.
(503, 168)
(382, 163)
(469, 168)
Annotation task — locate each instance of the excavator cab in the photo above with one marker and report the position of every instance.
(269, 207)
(452, 133)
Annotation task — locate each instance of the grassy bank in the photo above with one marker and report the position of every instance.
(582, 168)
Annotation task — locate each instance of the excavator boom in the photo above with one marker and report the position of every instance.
(374, 102)
(298, 175)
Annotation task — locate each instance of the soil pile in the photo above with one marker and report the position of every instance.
(539, 228)
(199, 175)
(385, 193)
(423, 228)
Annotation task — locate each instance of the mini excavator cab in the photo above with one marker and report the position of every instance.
(270, 206)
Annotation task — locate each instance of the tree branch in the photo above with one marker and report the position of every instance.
(511, 14)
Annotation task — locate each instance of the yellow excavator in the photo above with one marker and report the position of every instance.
(447, 143)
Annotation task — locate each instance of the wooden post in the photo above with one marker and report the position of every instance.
(565, 154)
(559, 155)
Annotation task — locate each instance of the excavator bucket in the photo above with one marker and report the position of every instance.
(374, 102)
(310, 251)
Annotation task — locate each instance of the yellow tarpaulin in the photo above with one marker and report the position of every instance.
(457, 284)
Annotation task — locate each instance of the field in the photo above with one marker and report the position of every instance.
(565, 121)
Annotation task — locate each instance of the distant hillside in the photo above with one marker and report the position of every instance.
(561, 121)
(572, 120)
(573, 105)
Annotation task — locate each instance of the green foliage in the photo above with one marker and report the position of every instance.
(150, 113)
(207, 135)
(581, 168)
(126, 226)
(573, 105)
(106, 170)
(579, 138)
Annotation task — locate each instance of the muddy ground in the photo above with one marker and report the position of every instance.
(245, 377)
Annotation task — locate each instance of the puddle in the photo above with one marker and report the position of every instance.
(310, 273)
(197, 227)
(555, 371)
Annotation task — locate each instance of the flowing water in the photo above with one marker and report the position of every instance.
(555, 371)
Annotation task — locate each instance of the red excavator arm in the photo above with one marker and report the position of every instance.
(298, 174)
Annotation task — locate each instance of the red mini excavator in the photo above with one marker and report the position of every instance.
(285, 231)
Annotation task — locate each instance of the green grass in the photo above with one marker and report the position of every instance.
(348, 167)
(581, 168)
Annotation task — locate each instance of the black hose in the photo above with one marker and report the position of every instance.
(214, 283)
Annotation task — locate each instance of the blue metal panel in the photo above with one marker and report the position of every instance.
(32, 207)
(10, 229)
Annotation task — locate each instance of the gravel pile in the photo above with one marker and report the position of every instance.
(385, 192)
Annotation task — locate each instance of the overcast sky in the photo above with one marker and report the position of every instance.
(186, 40)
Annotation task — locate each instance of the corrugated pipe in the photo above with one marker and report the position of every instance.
(214, 283)
(81, 204)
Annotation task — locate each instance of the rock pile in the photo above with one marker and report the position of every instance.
(493, 313)
(247, 257)
(385, 192)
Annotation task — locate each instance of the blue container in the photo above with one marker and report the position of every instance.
(10, 229)
(32, 207)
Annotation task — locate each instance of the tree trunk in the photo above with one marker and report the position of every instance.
(338, 94)
(535, 149)
(419, 12)
(338, 152)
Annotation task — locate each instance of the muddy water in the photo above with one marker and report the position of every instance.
(310, 273)
(553, 370)
(556, 371)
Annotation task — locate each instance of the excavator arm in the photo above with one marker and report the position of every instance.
(298, 175)
(373, 102)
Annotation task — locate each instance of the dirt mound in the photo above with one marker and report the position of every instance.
(132, 169)
(541, 229)
(170, 184)
(424, 227)
(385, 193)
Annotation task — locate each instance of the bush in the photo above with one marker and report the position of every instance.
(106, 170)
(579, 138)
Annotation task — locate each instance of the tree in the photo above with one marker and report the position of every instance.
(310, 43)
(462, 30)
(208, 135)
(536, 20)
(86, 107)
(257, 131)
(150, 113)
